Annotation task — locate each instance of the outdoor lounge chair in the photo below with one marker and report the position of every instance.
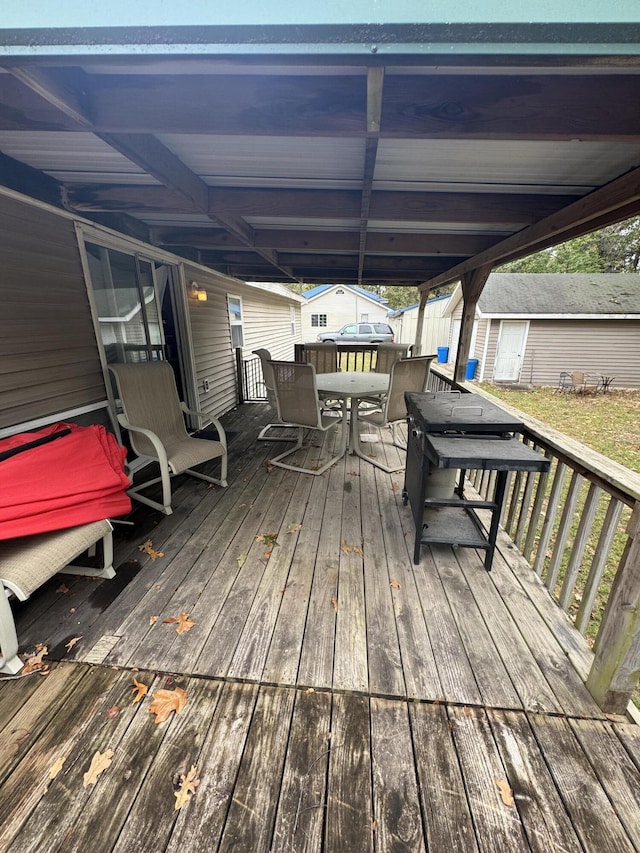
(407, 374)
(153, 415)
(299, 406)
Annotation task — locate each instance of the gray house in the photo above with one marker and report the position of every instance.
(530, 327)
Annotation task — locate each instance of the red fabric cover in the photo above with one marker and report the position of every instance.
(73, 480)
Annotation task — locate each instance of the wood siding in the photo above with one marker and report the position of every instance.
(49, 358)
(435, 332)
(348, 307)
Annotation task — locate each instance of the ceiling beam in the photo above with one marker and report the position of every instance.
(143, 149)
(503, 105)
(386, 243)
(375, 82)
(613, 202)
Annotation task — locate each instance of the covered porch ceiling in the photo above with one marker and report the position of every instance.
(379, 154)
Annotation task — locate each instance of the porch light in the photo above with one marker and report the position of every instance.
(198, 292)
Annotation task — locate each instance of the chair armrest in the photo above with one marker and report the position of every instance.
(216, 423)
(158, 446)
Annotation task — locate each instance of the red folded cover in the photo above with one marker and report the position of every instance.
(73, 479)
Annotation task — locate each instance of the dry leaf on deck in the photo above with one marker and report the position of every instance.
(188, 785)
(166, 701)
(139, 689)
(63, 588)
(99, 763)
(34, 663)
(505, 791)
(334, 601)
(147, 548)
(394, 584)
(56, 767)
(241, 560)
(293, 528)
(72, 642)
(153, 620)
(183, 622)
(112, 712)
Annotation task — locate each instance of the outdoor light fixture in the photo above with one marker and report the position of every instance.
(198, 292)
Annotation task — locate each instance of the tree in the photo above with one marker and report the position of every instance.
(613, 249)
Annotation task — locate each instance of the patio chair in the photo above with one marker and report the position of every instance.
(269, 383)
(407, 374)
(299, 405)
(324, 357)
(387, 354)
(153, 415)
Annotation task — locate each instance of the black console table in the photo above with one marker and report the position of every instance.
(463, 432)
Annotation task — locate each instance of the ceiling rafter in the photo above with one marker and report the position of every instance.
(147, 152)
(375, 83)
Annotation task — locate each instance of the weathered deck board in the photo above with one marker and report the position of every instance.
(336, 691)
(286, 769)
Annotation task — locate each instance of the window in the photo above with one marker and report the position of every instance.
(318, 320)
(364, 318)
(235, 321)
(127, 291)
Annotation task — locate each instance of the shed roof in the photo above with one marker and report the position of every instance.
(322, 289)
(566, 294)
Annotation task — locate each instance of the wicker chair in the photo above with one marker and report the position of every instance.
(407, 374)
(298, 405)
(153, 415)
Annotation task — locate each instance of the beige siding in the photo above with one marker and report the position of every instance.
(49, 358)
(348, 307)
(266, 323)
(611, 347)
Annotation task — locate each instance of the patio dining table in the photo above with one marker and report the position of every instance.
(354, 386)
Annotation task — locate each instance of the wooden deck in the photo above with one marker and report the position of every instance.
(338, 697)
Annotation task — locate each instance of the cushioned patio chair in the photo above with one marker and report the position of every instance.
(407, 374)
(267, 377)
(153, 415)
(298, 405)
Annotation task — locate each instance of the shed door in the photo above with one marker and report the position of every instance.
(510, 351)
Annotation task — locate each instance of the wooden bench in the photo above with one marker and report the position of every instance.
(28, 562)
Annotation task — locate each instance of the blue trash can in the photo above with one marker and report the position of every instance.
(443, 355)
(472, 366)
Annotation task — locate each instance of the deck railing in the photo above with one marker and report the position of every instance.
(578, 526)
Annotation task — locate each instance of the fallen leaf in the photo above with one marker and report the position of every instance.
(99, 763)
(166, 701)
(63, 588)
(293, 528)
(34, 663)
(334, 601)
(358, 550)
(394, 584)
(147, 548)
(56, 767)
(346, 549)
(270, 468)
(269, 539)
(153, 620)
(140, 690)
(72, 643)
(184, 623)
(241, 560)
(505, 791)
(188, 785)
(112, 712)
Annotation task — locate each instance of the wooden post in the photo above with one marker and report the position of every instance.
(417, 344)
(472, 284)
(616, 666)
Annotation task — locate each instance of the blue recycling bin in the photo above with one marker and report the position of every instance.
(443, 355)
(472, 366)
